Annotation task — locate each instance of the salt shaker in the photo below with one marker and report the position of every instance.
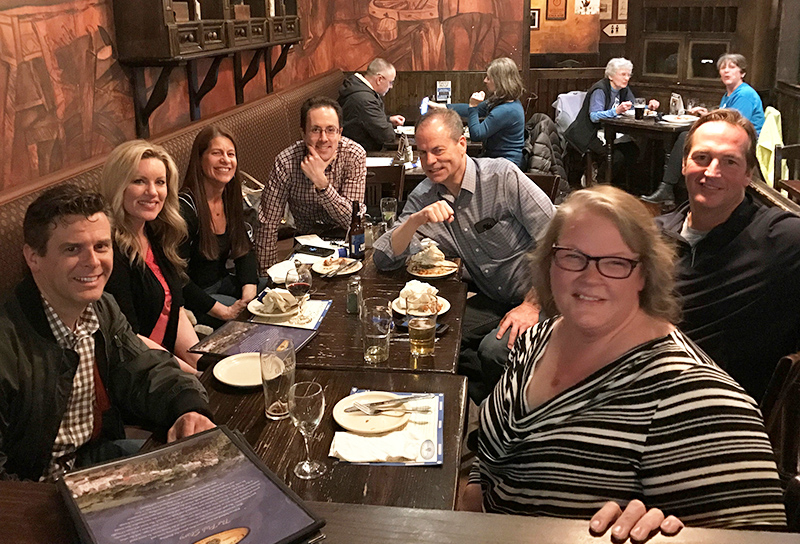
(354, 295)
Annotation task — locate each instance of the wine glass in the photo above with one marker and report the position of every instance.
(306, 406)
(298, 283)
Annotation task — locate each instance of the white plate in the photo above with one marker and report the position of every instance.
(445, 304)
(319, 268)
(256, 308)
(680, 119)
(426, 273)
(240, 370)
(647, 113)
(277, 272)
(361, 423)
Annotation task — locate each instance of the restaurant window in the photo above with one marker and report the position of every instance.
(703, 59)
(661, 57)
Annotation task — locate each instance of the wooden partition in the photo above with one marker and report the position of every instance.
(547, 83)
(410, 87)
(787, 100)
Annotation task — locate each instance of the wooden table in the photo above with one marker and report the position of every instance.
(281, 447)
(647, 128)
(338, 340)
(33, 513)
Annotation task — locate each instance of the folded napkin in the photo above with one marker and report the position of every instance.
(418, 294)
(277, 301)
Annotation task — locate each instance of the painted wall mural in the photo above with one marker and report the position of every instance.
(63, 97)
(411, 34)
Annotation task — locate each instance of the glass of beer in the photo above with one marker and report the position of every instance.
(639, 105)
(422, 311)
(277, 376)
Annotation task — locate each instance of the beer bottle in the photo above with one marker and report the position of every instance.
(355, 236)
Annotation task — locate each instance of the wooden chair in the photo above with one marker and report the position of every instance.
(384, 181)
(548, 183)
(781, 410)
(790, 154)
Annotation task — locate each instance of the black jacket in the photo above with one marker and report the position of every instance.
(144, 386)
(582, 131)
(365, 119)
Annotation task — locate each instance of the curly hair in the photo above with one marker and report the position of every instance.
(638, 230)
(167, 230)
(194, 184)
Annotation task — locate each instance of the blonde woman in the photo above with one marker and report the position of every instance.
(140, 182)
(502, 130)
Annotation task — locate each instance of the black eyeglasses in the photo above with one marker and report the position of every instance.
(570, 259)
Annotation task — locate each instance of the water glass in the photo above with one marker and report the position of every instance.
(306, 406)
(389, 210)
(421, 316)
(376, 325)
(277, 376)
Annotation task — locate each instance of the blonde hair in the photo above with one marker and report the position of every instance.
(167, 230)
(638, 230)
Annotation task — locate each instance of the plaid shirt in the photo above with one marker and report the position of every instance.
(313, 211)
(78, 421)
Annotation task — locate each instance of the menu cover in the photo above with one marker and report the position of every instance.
(248, 337)
(207, 488)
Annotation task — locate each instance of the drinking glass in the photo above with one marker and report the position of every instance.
(306, 406)
(298, 283)
(277, 376)
(639, 105)
(389, 210)
(376, 325)
(421, 326)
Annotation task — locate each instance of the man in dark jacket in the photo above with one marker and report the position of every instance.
(70, 365)
(361, 98)
(738, 268)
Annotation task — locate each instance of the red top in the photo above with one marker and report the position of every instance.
(161, 325)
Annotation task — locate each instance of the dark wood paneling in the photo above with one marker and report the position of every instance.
(410, 87)
(788, 103)
(547, 83)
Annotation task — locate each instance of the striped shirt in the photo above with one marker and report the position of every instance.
(313, 210)
(662, 424)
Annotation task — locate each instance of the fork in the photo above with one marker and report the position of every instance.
(371, 411)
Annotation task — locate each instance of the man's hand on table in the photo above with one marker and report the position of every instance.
(635, 522)
(314, 167)
(520, 319)
(188, 424)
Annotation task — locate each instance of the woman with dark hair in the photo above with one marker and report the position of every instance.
(607, 405)
(211, 205)
(140, 183)
(502, 130)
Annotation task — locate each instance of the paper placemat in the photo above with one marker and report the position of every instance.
(316, 309)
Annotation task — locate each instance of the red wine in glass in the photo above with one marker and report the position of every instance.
(299, 289)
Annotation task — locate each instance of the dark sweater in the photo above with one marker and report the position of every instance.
(365, 119)
(582, 131)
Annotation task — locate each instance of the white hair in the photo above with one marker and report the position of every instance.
(617, 64)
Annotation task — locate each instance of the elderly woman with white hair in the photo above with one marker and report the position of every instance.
(606, 99)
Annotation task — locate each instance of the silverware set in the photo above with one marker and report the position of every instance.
(341, 268)
(387, 405)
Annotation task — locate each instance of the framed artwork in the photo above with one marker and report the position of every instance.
(556, 10)
(535, 19)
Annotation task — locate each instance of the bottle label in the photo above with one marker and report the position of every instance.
(357, 246)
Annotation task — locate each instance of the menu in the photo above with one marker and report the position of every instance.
(210, 487)
(248, 337)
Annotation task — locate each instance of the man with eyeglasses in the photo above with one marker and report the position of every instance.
(319, 177)
(361, 98)
(488, 213)
(738, 268)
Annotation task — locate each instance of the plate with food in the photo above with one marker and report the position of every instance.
(240, 370)
(274, 304)
(680, 119)
(647, 112)
(398, 305)
(361, 423)
(330, 264)
(430, 263)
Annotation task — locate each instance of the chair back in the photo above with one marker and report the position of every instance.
(384, 181)
(548, 183)
(781, 410)
(790, 154)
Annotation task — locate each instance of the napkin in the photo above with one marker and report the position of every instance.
(430, 256)
(418, 293)
(278, 301)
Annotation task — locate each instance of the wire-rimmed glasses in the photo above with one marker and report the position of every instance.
(574, 260)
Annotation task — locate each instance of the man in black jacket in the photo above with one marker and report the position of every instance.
(70, 365)
(738, 268)
(361, 98)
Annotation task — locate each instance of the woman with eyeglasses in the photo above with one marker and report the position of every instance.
(607, 406)
(211, 204)
(499, 119)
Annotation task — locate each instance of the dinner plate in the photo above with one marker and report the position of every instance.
(257, 308)
(435, 272)
(445, 304)
(680, 119)
(320, 268)
(240, 370)
(361, 423)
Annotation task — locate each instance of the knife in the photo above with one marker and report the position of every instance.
(391, 402)
(342, 268)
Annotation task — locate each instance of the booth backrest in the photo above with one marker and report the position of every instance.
(262, 129)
